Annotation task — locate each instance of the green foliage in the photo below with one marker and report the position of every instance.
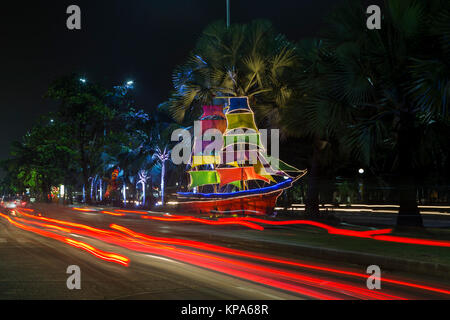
(245, 60)
(93, 132)
(348, 96)
(354, 85)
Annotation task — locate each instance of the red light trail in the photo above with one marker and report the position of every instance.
(218, 249)
(329, 229)
(113, 213)
(251, 223)
(107, 256)
(83, 209)
(164, 247)
(204, 221)
(98, 253)
(243, 270)
(131, 211)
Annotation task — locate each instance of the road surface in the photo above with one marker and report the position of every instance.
(123, 256)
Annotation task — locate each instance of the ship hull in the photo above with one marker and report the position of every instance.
(250, 202)
(260, 204)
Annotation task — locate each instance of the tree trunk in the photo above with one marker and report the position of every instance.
(101, 190)
(150, 196)
(163, 169)
(87, 193)
(409, 214)
(143, 194)
(124, 194)
(92, 189)
(69, 195)
(312, 193)
(84, 167)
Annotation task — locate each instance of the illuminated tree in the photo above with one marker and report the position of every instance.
(163, 155)
(143, 178)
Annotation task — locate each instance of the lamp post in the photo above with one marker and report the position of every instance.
(361, 184)
(228, 14)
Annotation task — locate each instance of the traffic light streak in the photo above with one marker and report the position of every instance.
(164, 246)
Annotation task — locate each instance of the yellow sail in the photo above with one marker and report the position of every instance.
(241, 121)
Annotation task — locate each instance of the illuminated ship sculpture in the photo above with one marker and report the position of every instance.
(240, 178)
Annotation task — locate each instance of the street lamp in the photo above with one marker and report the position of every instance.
(82, 80)
(361, 185)
(129, 84)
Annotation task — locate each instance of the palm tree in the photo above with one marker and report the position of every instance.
(243, 60)
(143, 178)
(253, 60)
(163, 155)
(146, 146)
(391, 78)
(317, 116)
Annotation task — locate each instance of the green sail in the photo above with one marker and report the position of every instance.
(237, 184)
(201, 178)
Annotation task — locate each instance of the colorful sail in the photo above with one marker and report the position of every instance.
(240, 149)
(219, 124)
(205, 160)
(250, 174)
(230, 175)
(238, 104)
(259, 169)
(240, 159)
(202, 178)
(212, 111)
(212, 118)
(241, 121)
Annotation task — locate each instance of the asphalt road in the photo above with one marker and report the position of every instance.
(35, 253)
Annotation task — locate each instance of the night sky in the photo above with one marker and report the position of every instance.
(120, 40)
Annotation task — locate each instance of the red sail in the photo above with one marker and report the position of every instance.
(220, 125)
(229, 175)
(250, 174)
(209, 111)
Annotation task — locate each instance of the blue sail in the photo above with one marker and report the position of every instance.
(240, 104)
